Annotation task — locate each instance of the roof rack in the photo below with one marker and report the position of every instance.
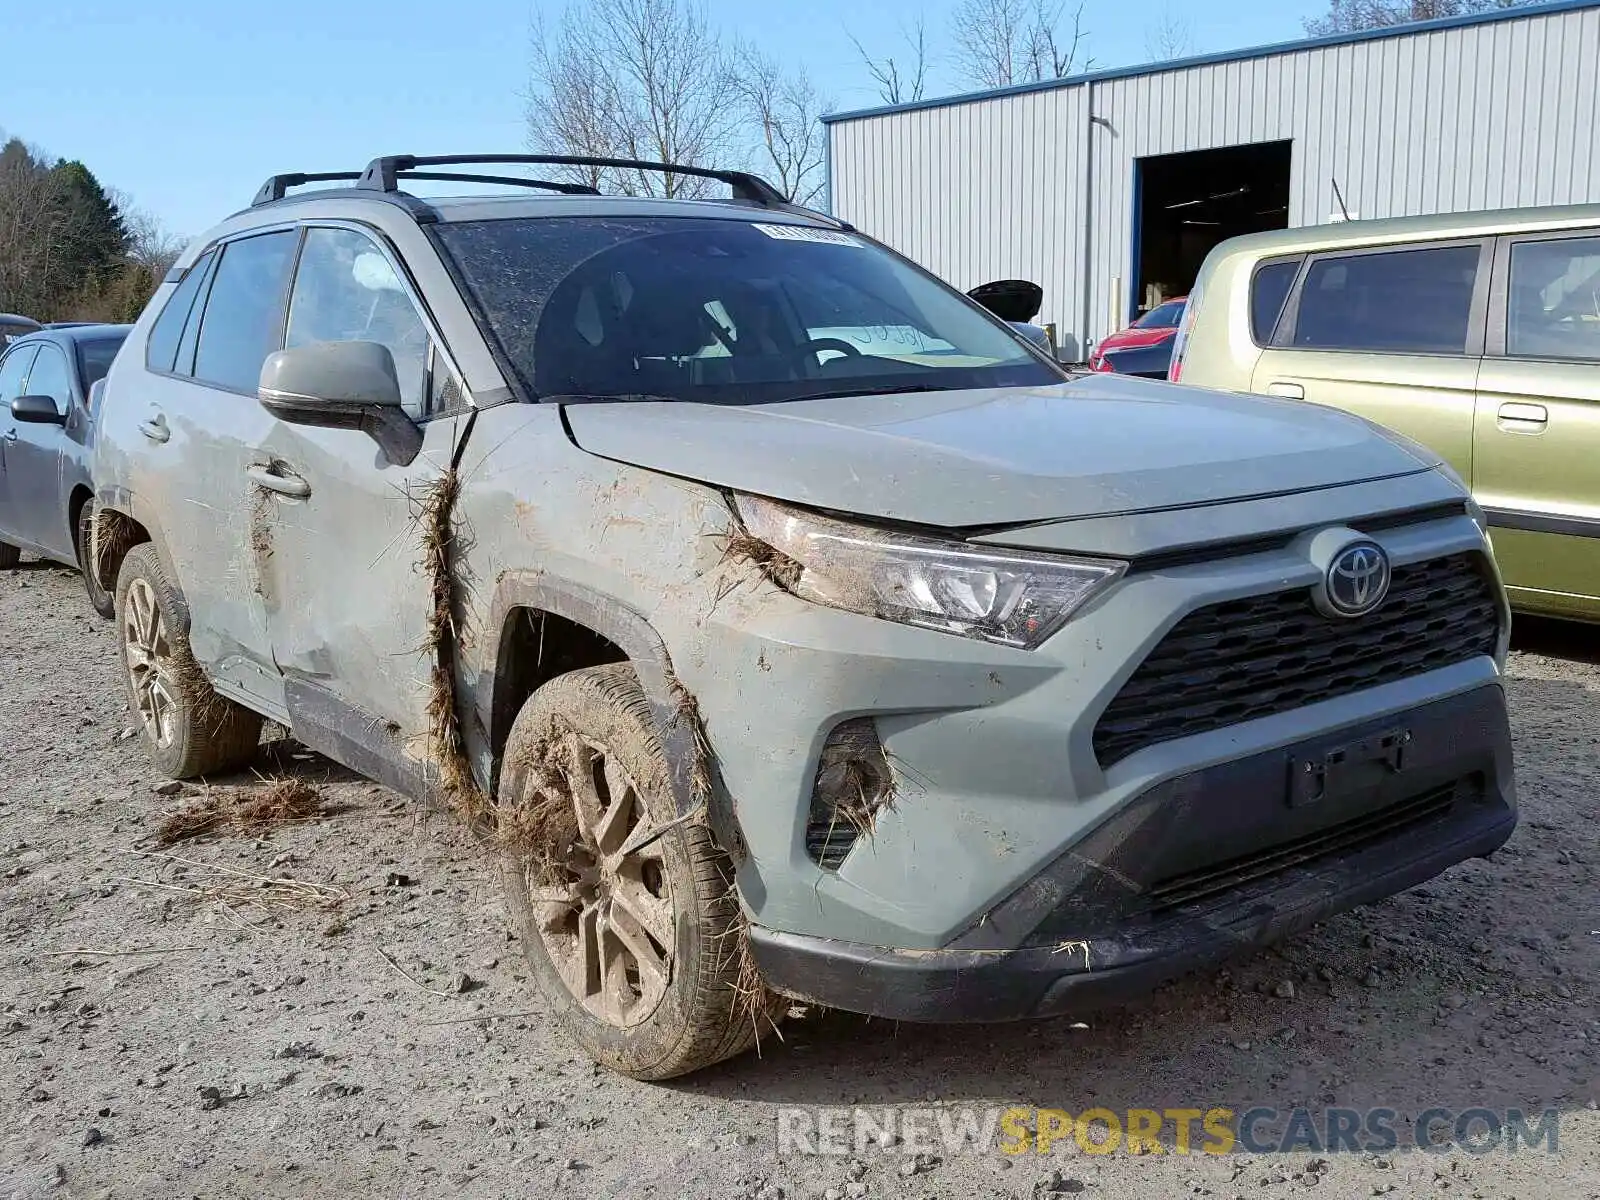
(382, 174)
(570, 189)
(277, 185)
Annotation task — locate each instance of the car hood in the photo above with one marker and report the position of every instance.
(1094, 447)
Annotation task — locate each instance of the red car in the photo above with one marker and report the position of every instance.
(1158, 326)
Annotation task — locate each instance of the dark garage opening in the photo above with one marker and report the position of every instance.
(1187, 203)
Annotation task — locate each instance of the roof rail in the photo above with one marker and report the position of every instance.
(382, 174)
(277, 185)
(570, 189)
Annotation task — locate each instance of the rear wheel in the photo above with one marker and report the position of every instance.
(10, 556)
(639, 949)
(188, 729)
(101, 600)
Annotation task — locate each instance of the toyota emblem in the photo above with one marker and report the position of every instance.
(1357, 579)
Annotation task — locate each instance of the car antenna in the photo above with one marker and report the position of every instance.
(1339, 196)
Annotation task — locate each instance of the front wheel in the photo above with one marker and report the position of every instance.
(188, 729)
(10, 556)
(101, 600)
(640, 949)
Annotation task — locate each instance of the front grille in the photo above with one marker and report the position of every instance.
(1407, 817)
(1243, 659)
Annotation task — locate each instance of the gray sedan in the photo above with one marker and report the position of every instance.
(47, 421)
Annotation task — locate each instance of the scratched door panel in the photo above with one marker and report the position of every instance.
(341, 571)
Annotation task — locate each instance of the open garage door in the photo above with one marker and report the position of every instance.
(1186, 203)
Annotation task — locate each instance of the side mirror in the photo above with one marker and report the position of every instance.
(1013, 300)
(37, 410)
(341, 385)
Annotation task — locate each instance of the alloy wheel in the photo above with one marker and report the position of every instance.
(150, 666)
(605, 908)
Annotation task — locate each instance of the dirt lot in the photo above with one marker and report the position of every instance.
(166, 1044)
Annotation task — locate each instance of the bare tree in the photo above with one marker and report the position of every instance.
(900, 82)
(151, 246)
(639, 79)
(1002, 42)
(1172, 36)
(785, 109)
(1345, 16)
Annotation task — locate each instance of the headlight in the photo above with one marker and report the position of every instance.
(1007, 596)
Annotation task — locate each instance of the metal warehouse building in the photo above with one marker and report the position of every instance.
(1109, 188)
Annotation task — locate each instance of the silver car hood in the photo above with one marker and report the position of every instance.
(1093, 447)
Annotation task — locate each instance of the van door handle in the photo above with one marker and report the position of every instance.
(1523, 418)
(275, 479)
(1289, 391)
(154, 426)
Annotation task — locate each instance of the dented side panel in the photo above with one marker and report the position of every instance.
(340, 573)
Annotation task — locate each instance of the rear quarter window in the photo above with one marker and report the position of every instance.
(161, 348)
(1269, 288)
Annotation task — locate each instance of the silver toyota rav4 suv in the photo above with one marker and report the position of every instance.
(788, 626)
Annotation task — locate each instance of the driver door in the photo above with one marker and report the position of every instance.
(338, 530)
(13, 374)
(33, 460)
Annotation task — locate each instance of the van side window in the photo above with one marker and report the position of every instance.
(243, 318)
(161, 348)
(1269, 288)
(1402, 301)
(1553, 307)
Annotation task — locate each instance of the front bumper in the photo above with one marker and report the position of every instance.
(1128, 907)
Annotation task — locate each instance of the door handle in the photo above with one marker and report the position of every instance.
(277, 480)
(1289, 391)
(1523, 418)
(154, 426)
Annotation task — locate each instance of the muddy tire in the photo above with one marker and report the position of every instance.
(188, 729)
(10, 556)
(102, 601)
(639, 955)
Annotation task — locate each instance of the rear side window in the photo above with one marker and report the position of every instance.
(243, 319)
(161, 349)
(1400, 301)
(1269, 288)
(1553, 308)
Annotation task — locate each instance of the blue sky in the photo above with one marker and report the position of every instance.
(186, 106)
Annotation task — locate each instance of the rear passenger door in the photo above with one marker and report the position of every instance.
(199, 427)
(1394, 335)
(1538, 421)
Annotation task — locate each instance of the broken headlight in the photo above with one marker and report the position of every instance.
(1010, 597)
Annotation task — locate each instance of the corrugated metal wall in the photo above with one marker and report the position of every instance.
(1493, 115)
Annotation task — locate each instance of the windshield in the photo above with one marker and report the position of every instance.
(720, 312)
(94, 358)
(1162, 316)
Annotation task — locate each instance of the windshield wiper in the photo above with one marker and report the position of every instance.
(888, 389)
(605, 398)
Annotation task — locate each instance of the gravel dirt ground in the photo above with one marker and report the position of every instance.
(328, 1038)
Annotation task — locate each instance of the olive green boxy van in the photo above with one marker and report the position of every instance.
(1476, 334)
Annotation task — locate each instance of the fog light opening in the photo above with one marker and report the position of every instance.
(854, 786)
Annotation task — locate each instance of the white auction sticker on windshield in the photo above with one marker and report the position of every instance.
(808, 233)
